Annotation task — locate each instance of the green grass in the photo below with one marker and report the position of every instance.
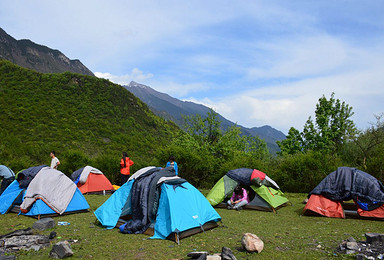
(286, 235)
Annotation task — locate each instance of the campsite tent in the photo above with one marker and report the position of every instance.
(91, 180)
(42, 190)
(263, 192)
(155, 201)
(329, 196)
(8, 177)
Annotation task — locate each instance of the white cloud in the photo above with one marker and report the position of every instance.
(179, 90)
(300, 56)
(289, 105)
(135, 75)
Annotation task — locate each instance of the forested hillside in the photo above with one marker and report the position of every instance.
(83, 118)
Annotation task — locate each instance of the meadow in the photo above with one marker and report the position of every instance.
(286, 235)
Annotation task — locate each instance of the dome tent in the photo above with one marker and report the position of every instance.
(90, 180)
(156, 202)
(263, 192)
(330, 197)
(42, 191)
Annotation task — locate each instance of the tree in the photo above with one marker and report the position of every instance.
(204, 152)
(330, 131)
(204, 130)
(367, 145)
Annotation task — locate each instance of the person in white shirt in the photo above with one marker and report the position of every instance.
(55, 161)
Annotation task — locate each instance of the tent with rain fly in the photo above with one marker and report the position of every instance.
(156, 202)
(91, 180)
(264, 193)
(42, 191)
(330, 197)
(8, 177)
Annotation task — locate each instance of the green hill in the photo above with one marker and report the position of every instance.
(82, 118)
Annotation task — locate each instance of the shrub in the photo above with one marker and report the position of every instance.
(302, 172)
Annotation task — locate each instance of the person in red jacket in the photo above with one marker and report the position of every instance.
(125, 163)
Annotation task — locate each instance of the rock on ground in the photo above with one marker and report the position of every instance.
(252, 243)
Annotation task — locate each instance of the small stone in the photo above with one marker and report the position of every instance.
(252, 243)
(195, 255)
(352, 246)
(351, 239)
(202, 257)
(350, 252)
(52, 235)
(6, 257)
(35, 247)
(227, 254)
(62, 249)
(43, 224)
(372, 237)
(213, 257)
(360, 257)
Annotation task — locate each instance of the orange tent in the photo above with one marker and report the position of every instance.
(92, 180)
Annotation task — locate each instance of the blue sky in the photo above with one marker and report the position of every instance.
(255, 62)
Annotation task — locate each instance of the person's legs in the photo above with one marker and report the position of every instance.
(229, 204)
(240, 204)
(124, 178)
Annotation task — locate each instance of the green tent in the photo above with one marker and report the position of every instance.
(263, 192)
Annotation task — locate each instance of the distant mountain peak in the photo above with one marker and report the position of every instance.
(171, 108)
(138, 85)
(28, 54)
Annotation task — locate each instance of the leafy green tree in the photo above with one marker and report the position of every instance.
(366, 151)
(331, 129)
(204, 152)
(204, 130)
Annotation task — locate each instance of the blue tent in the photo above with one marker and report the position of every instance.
(181, 208)
(14, 195)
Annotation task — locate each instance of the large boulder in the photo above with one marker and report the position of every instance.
(252, 243)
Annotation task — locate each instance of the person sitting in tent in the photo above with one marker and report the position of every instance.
(8, 175)
(239, 199)
(125, 163)
(172, 163)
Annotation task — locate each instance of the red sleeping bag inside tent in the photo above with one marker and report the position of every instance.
(323, 206)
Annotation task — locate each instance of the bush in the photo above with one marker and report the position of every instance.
(303, 172)
(71, 160)
(109, 165)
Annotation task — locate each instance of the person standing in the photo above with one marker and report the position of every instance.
(172, 163)
(8, 175)
(125, 164)
(55, 161)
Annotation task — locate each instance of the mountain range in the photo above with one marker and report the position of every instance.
(171, 108)
(28, 54)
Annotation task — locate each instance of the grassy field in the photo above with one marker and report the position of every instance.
(286, 235)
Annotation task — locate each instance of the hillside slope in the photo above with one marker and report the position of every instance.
(172, 109)
(28, 54)
(43, 112)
